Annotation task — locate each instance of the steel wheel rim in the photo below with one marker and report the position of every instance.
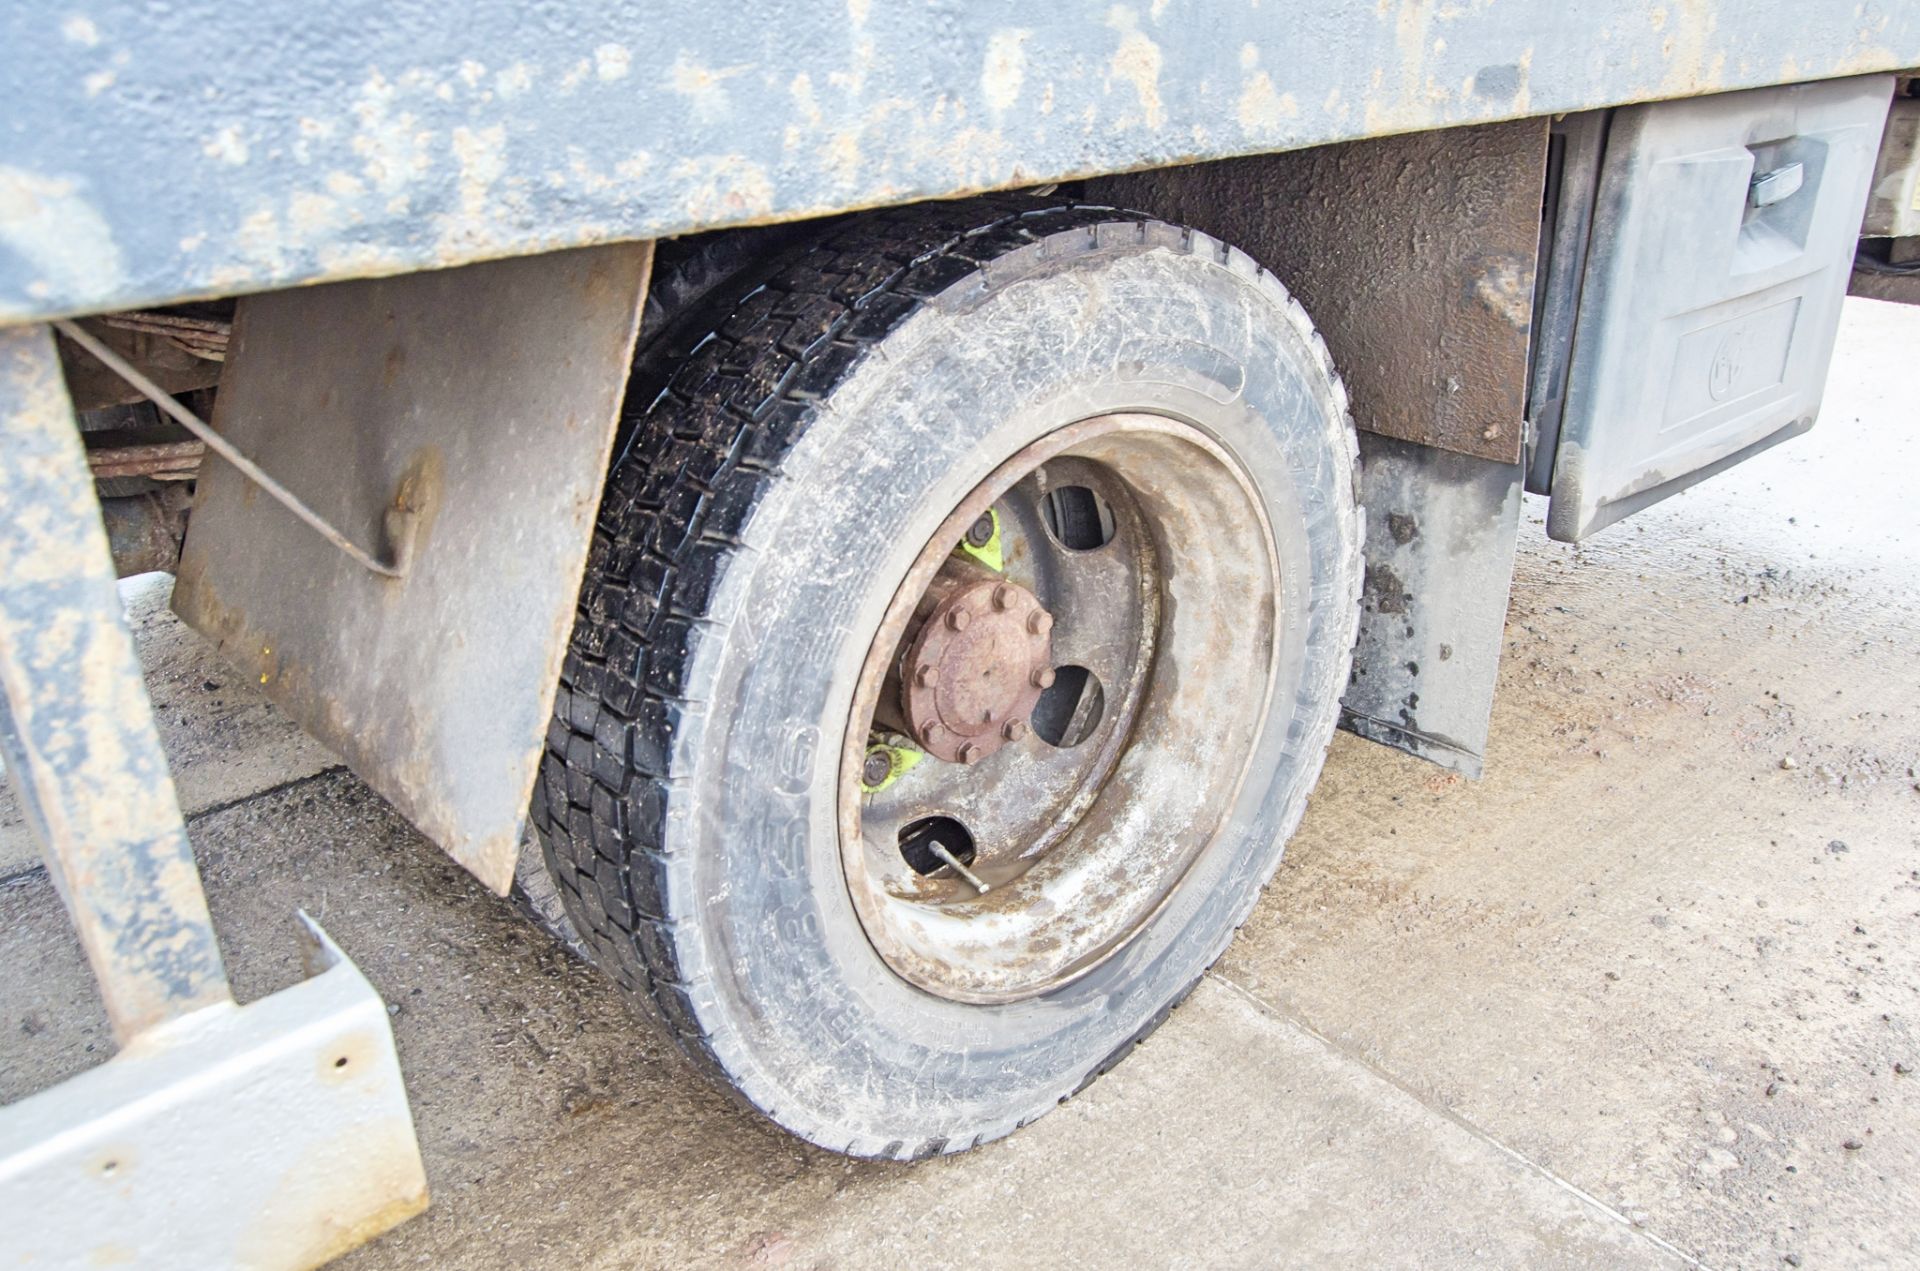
(1081, 836)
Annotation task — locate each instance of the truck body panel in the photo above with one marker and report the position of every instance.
(206, 150)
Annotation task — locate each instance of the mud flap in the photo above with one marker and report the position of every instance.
(1441, 529)
(468, 412)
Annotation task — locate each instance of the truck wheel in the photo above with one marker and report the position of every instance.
(963, 632)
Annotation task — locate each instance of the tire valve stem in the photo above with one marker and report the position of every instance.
(953, 862)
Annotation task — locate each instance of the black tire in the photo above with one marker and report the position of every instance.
(743, 554)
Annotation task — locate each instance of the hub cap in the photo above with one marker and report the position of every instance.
(976, 666)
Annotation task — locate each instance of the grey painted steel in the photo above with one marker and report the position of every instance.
(1441, 529)
(1578, 144)
(482, 399)
(157, 152)
(76, 728)
(1707, 314)
(1893, 208)
(270, 1136)
(1414, 255)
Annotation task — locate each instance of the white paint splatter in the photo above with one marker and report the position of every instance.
(513, 81)
(311, 215)
(1005, 69)
(723, 187)
(704, 87)
(482, 155)
(1261, 108)
(801, 89)
(393, 147)
(61, 236)
(612, 62)
(227, 145)
(1137, 61)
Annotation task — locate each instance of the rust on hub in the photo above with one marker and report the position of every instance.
(976, 664)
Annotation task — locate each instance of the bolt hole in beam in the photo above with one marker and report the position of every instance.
(1070, 709)
(1078, 519)
(922, 841)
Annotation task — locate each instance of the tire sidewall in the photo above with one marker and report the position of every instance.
(800, 1010)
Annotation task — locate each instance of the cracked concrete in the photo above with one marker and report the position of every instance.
(1646, 995)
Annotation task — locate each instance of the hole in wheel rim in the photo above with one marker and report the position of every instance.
(1070, 709)
(917, 839)
(1078, 518)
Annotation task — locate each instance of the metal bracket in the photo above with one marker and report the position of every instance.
(1441, 529)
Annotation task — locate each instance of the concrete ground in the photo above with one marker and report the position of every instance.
(1647, 995)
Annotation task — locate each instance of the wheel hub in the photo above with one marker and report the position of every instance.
(1073, 691)
(977, 664)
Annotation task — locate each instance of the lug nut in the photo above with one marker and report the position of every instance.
(1043, 678)
(980, 533)
(1003, 597)
(930, 729)
(1015, 729)
(1039, 622)
(876, 767)
(924, 677)
(957, 619)
(971, 754)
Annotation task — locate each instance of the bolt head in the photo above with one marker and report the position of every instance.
(1003, 596)
(930, 728)
(971, 754)
(980, 533)
(1039, 622)
(1015, 729)
(875, 768)
(958, 619)
(924, 677)
(1044, 677)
